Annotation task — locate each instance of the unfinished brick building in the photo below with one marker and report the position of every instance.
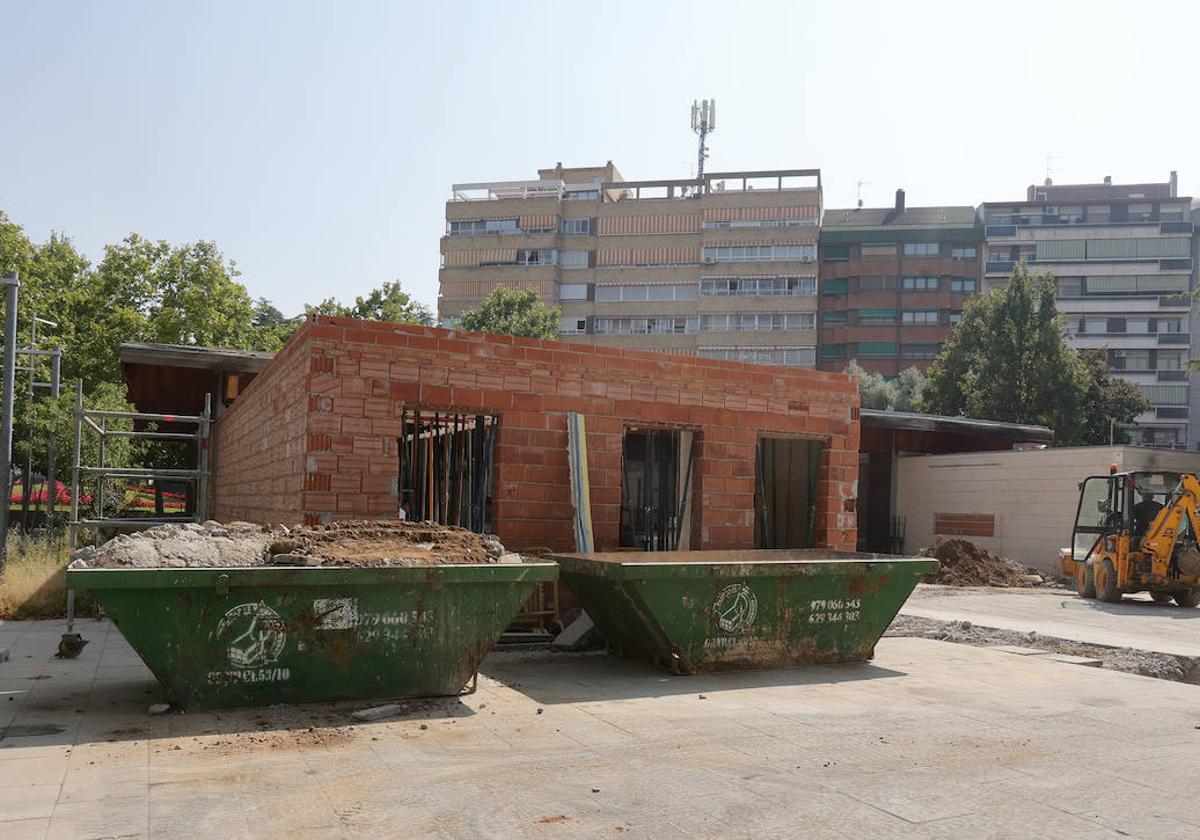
(353, 419)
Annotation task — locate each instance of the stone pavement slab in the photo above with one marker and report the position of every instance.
(1136, 622)
(930, 740)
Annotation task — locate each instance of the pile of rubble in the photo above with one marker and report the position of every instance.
(962, 563)
(363, 544)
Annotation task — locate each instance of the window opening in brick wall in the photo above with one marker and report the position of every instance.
(785, 493)
(446, 468)
(656, 489)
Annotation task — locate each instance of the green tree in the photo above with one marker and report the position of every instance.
(513, 312)
(1008, 360)
(1110, 401)
(388, 303)
(875, 391)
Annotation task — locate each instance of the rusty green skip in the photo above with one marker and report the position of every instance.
(220, 638)
(694, 611)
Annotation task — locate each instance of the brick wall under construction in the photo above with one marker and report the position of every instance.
(316, 437)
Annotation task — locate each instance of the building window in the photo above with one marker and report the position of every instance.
(659, 325)
(613, 294)
(758, 322)
(576, 227)
(542, 256)
(964, 285)
(756, 286)
(835, 286)
(726, 224)
(967, 252)
(955, 317)
(834, 319)
(759, 253)
(573, 259)
(581, 195)
(920, 317)
(573, 326)
(833, 351)
(876, 317)
(920, 249)
(876, 349)
(786, 356)
(920, 284)
(572, 291)
(920, 351)
(836, 253)
(480, 227)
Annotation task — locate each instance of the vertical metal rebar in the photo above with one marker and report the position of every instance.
(75, 488)
(11, 283)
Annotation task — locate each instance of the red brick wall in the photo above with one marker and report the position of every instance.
(964, 524)
(362, 374)
(259, 445)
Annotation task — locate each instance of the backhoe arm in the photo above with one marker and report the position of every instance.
(1163, 533)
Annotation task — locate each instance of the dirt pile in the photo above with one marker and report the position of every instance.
(240, 544)
(962, 563)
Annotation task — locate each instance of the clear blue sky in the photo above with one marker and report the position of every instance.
(317, 142)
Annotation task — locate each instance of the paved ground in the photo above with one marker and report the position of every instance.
(1137, 622)
(932, 740)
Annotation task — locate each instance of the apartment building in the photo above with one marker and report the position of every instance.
(1122, 258)
(893, 283)
(722, 267)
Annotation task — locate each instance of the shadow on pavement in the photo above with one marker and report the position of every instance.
(552, 678)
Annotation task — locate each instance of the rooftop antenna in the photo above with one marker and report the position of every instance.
(1049, 169)
(861, 184)
(704, 120)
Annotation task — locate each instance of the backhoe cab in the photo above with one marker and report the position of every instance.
(1136, 532)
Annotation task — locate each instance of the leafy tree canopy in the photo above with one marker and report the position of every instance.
(898, 394)
(387, 303)
(513, 312)
(1009, 360)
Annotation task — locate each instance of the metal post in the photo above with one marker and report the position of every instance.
(100, 476)
(202, 454)
(75, 489)
(11, 283)
(51, 478)
(27, 475)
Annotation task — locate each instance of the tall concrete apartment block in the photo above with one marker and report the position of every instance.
(722, 267)
(893, 283)
(1122, 258)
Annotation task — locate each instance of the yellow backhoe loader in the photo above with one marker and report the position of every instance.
(1136, 532)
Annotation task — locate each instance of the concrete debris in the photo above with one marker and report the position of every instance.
(1162, 666)
(158, 709)
(377, 712)
(241, 544)
(962, 563)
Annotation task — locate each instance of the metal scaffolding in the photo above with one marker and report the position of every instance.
(93, 420)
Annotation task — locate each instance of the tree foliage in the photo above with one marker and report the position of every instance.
(387, 303)
(899, 394)
(1009, 360)
(1110, 400)
(140, 291)
(513, 312)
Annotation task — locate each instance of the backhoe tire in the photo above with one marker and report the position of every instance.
(1085, 580)
(1191, 598)
(1106, 582)
(1162, 597)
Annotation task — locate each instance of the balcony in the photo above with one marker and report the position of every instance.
(1173, 338)
(999, 266)
(1172, 376)
(1000, 230)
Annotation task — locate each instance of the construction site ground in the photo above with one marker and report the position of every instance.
(930, 740)
(1136, 622)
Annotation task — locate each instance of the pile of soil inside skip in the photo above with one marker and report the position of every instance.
(358, 543)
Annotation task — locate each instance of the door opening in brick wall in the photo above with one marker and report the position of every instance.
(445, 470)
(656, 489)
(785, 493)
